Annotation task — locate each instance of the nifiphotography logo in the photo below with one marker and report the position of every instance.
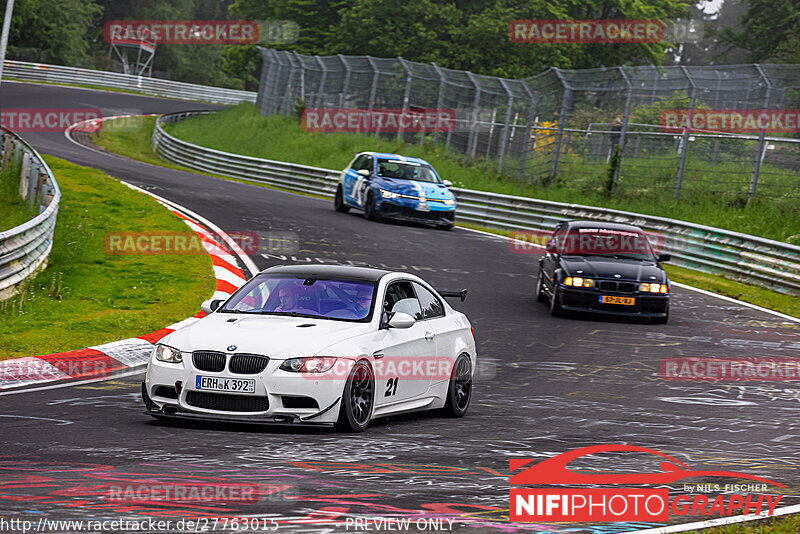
(599, 504)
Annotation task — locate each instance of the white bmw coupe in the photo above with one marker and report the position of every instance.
(317, 344)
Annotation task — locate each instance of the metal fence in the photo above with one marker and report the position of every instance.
(549, 127)
(738, 256)
(24, 248)
(40, 72)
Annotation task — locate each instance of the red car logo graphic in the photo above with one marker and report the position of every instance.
(554, 470)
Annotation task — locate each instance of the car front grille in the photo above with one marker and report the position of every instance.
(626, 287)
(620, 287)
(403, 211)
(213, 362)
(227, 403)
(247, 364)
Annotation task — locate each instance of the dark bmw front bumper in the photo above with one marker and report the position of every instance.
(588, 300)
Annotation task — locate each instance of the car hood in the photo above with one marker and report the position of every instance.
(414, 188)
(603, 267)
(271, 335)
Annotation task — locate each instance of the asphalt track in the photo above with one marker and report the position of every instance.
(545, 386)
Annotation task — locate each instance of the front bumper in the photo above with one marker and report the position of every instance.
(588, 300)
(169, 391)
(439, 214)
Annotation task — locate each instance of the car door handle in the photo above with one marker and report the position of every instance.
(429, 335)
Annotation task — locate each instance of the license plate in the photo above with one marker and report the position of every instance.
(423, 207)
(610, 299)
(233, 385)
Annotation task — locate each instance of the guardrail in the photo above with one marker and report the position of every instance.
(40, 72)
(743, 257)
(24, 248)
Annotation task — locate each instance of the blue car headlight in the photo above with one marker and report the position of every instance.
(449, 202)
(389, 194)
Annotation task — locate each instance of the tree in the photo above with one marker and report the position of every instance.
(713, 48)
(196, 63)
(56, 31)
(770, 31)
(316, 18)
(474, 36)
(419, 30)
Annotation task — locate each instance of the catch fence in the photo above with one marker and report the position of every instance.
(558, 126)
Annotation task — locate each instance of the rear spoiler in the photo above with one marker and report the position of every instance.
(454, 294)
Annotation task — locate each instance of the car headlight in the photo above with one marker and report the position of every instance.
(315, 364)
(653, 288)
(389, 194)
(577, 281)
(168, 354)
(449, 202)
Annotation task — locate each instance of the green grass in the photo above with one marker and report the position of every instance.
(87, 296)
(760, 296)
(131, 137)
(651, 176)
(13, 210)
(242, 130)
(778, 525)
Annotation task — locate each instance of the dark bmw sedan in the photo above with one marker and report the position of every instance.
(603, 267)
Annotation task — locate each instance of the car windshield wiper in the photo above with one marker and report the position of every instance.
(618, 256)
(293, 314)
(237, 311)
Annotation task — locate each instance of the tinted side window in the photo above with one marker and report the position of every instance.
(559, 238)
(363, 162)
(400, 297)
(431, 306)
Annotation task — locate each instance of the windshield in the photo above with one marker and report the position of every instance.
(605, 242)
(405, 170)
(338, 299)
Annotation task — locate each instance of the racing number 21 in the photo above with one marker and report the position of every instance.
(391, 387)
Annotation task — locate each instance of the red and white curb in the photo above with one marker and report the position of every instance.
(112, 358)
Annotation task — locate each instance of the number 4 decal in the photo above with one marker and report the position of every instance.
(391, 387)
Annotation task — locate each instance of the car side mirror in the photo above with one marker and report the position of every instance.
(364, 173)
(210, 305)
(664, 257)
(401, 320)
(448, 183)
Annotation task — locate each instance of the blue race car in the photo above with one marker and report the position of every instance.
(395, 187)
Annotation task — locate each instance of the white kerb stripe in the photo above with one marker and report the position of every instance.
(130, 352)
(221, 273)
